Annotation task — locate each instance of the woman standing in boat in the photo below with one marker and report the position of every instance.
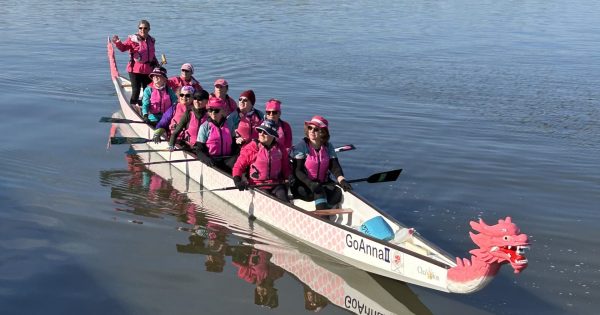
(221, 89)
(190, 122)
(246, 118)
(273, 112)
(186, 78)
(158, 97)
(173, 115)
(313, 159)
(215, 138)
(142, 58)
(264, 161)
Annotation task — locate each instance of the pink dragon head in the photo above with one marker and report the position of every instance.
(500, 243)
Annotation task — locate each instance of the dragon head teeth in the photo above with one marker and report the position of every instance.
(521, 249)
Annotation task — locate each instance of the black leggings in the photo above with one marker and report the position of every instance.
(138, 81)
(331, 193)
(280, 191)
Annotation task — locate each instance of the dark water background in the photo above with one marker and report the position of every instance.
(491, 108)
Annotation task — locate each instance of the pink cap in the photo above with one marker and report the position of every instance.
(215, 102)
(188, 88)
(221, 82)
(318, 121)
(273, 105)
(188, 67)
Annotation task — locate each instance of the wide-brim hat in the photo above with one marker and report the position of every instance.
(318, 121)
(160, 71)
(270, 127)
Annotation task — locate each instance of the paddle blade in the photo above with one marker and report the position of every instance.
(127, 140)
(388, 176)
(347, 147)
(118, 120)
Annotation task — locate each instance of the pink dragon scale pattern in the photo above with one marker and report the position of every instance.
(297, 223)
(499, 244)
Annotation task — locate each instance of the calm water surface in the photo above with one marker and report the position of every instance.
(490, 107)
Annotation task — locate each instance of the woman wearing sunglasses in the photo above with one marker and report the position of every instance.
(263, 161)
(172, 116)
(158, 97)
(246, 118)
(215, 138)
(190, 122)
(221, 89)
(313, 159)
(273, 112)
(185, 78)
(142, 58)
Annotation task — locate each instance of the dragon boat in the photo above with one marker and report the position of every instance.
(413, 259)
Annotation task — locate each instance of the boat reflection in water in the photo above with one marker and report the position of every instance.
(259, 254)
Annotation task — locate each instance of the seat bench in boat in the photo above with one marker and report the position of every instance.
(332, 211)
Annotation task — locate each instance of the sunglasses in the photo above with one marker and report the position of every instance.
(313, 128)
(185, 70)
(219, 86)
(185, 95)
(143, 28)
(213, 110)
(243, 99)
(272, 112)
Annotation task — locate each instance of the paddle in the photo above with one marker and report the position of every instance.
(177, 161)
(344, 148)
(347, 147)
(132, 151)
(120, 120)
(163, 59)
(382, 177)
(230, 188)
(128, 140)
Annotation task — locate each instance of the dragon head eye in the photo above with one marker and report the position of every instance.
(505, 237)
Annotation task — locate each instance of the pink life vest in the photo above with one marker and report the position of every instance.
(219, 140)
(177, 82)
(317, 163)
(247, 126)
(191, 132)
(267, 165)
(179, 111)
(160, 100)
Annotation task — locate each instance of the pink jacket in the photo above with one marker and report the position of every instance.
(264, 166)
(143, 58)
